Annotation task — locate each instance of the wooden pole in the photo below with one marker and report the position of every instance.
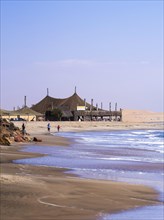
(116, 106)
(101, 105)
(110, 106)
(85, 103)
(25, 101)
(91, 104)
(116, 111)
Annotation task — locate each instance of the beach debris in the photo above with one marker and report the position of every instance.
(37, 140)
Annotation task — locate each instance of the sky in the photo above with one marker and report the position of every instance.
(112, 51)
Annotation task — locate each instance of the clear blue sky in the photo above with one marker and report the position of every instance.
(112, 51)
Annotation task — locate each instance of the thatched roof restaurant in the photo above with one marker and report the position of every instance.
(69, 104)
(72, 108)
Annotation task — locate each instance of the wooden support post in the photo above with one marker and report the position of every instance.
(116, 111)
(101, 105)
(85, 103)
(47, 92)
(110, 106)
(25, 101)
(120, 114)
(75, 116)
(91, 105)
(116, 106)
(91, 109)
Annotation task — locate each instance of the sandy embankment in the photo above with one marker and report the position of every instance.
(29, 192)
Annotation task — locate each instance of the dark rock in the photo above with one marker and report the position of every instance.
(37, 140)
(9, 133)
(5, 141)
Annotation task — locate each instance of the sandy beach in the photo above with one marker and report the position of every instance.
(132, 119)
(39, 192)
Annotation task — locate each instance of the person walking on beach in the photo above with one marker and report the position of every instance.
(23, 129)
(48, 127)
(58, 128)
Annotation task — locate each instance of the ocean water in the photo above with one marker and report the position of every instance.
(134, 156)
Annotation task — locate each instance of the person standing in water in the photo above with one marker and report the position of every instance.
(58, 128)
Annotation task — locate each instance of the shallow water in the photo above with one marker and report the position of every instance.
(132, 156)
(145, 213)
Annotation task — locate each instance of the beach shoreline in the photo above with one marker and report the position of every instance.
(40, 127)
(40, 192)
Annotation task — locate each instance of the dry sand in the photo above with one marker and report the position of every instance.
(132, 119)
(33, 192)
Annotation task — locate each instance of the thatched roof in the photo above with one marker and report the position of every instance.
(48, 103)
(27, 111)
(5, 112)
(22, 111)
(73, 101)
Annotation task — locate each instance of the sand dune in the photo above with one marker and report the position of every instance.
(142, 116)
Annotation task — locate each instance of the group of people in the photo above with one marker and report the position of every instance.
(49, 127)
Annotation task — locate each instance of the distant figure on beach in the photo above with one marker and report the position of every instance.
(48, 127)
(58, 128)
(23, 129)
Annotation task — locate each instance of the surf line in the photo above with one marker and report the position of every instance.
(53, 204)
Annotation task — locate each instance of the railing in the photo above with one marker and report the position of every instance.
(117, 115)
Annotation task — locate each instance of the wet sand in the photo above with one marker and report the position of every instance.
(39, 192)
